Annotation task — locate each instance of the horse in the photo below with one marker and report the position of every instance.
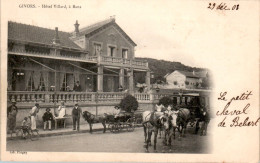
(176, 120)
(91, 118)
(152, 121)
(183, 117)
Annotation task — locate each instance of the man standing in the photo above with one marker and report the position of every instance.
(11, 116)
(76, 111)
(33, 115)
(77, 87)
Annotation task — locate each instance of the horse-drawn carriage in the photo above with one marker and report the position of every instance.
(123, 120)
(114, 122)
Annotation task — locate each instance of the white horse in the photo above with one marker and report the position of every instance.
(152, 121)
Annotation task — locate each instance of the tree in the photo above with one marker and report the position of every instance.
(205, 83)
(165, 101)
(129, 104)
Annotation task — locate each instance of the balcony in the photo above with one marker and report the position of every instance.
(82, 58)
(105, 60)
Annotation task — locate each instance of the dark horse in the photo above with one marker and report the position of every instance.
(152, 121)
(104, 119)
(91, 118)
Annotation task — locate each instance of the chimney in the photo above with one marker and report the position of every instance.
(56, 39)
(113, 18)
(76, 31)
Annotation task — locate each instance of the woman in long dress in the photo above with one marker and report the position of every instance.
(62, 110)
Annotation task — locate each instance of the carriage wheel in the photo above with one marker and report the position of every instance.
(130, 127)
(138, 121)
(117, 127)
(111, 127)
(130, 124)
(192, 124)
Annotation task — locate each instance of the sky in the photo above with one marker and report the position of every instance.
(181, 31)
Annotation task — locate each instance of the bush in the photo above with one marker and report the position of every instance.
(129, 104)
(165, 101)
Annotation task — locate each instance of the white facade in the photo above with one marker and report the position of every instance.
(183, 80)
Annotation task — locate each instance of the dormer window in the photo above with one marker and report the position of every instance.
(124, 53)
(111, 51)
(97, 49)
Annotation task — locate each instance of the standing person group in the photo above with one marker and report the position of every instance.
(29, 122)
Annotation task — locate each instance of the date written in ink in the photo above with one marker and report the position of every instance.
(222, 6)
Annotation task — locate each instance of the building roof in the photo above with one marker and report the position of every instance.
(99, 26)
(200, 74)
(29, 33)
(35, 34)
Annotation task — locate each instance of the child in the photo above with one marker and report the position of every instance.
(26, 126)
(47, 118)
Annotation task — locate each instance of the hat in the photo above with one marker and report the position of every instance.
(36, 104)
(76, 104)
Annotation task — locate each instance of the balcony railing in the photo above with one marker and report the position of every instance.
(139, 63)
(74, 97)
(68, 97)
(126, 62)
(26, 97)
(82, 58)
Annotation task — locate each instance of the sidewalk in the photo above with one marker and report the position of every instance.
(65, 131)
(97, 127)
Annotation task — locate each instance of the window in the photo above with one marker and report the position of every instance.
(69, 54)
(111, 51)
(41, 84)
(124, 53)
(30, 84)
(97, 49)
(36, 49)
(68, 82)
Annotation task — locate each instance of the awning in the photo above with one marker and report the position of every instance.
(91, 72)
(41, 64)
